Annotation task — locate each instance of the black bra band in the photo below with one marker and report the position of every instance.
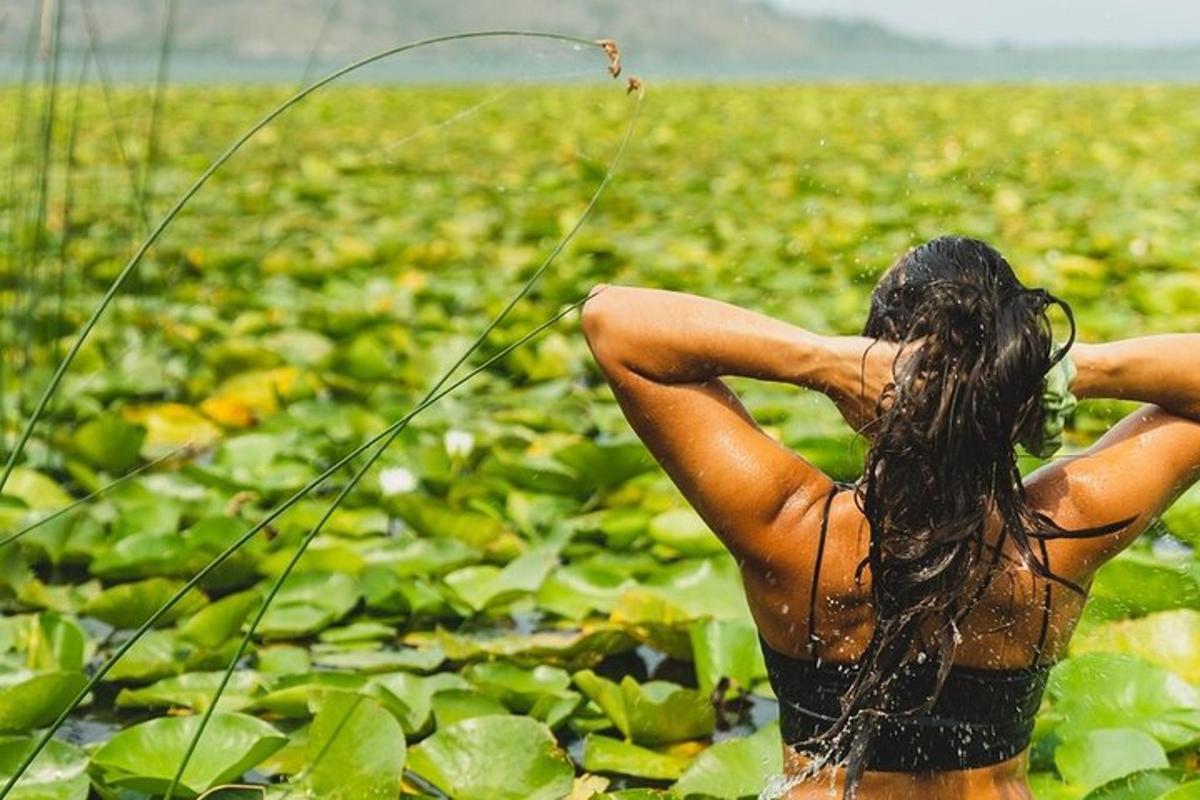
(981, 717)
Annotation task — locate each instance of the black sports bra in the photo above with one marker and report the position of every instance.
(981, 717)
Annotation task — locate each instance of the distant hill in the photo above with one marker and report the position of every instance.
(654, 31)
(271, 40)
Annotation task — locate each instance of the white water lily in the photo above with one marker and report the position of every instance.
(396, 480)
(459, 444)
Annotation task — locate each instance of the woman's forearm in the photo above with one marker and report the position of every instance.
(674, 337)
(1163, 370)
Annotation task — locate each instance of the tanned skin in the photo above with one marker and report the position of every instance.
(664, 354)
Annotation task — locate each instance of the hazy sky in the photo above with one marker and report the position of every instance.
(1035, 22)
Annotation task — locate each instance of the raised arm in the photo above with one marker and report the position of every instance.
(663, 353)
(1137, 469)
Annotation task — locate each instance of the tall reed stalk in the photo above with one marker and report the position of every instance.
(383, 438)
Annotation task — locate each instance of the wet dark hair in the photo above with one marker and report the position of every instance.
(976, 346)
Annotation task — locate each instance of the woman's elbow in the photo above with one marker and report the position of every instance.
(595, 312)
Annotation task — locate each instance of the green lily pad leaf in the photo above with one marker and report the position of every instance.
(193, 690)
(1168, 639)
(570, 649)
(410, 697)
(653, 713)
(1187, 791)
(290, 696)
(1183, 517)
(357, 632)
(321, 556)
(683, 531)
(1142, 584)
(605, 465)
(36, 491)
(374, 659)
(735, 768)
(219, 621)
(351, 730)
(56, 643)
(726, 648)
(1105, 754)
(144, 757)
(708, 587)
(1047, 786)
(495, 758)
(604, 754)
(143, 555)
(515, 687)
(283, 660)
(1149, 699)
(577, 590)
(309, 602)
(484, 586)
(108, 442)
(157, 654)
(58, 773)
(1147, 783)
(426, 557)
(455, 705)
(432, 519)
(129, 605)
(541, 692)
(37, 701)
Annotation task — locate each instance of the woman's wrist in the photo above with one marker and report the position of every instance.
(1093, 370)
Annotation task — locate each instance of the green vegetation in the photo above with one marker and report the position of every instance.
(515, 602)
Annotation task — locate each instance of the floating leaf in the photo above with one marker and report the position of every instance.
(308, 602)
(1105, 754)
(495, 758)
(36, 701)
(735, 768)
(58, 773)
(353, 731)
(129, 605)
(653, 713)
(683, 531)
(726, 649)
(1150, 699)
(144, 757)
(603, 754)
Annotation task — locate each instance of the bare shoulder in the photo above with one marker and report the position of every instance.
(1133, 473)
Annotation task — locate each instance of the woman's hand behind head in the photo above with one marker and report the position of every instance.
(862, 369)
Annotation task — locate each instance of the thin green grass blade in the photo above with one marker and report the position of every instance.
(238, 543)
(96, 52)
(56, 378)
(149, 623)
(103, 490)
(374, 457)
(161, 77)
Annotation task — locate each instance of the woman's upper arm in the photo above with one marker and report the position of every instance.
(1134, 472)
(733, 473)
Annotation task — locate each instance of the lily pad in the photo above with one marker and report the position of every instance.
(144, 757)
(735, 768)
(37, 700)
(653, 713)
(495, 758)
(353, 731)
(604, 754)
(58, 773)
(1105, 754)
(1151, 699)
(307, 603)
(129, 605)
